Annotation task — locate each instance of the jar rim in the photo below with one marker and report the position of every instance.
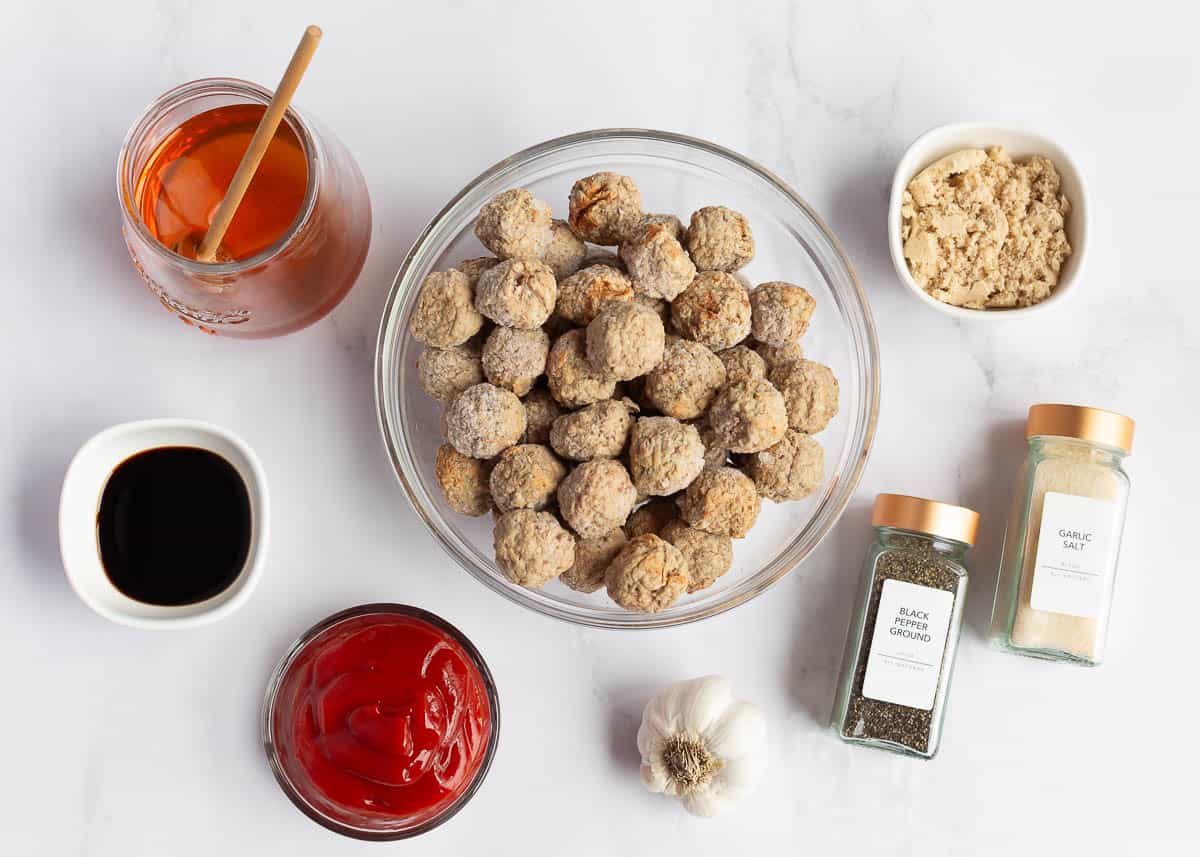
(127, 179)
(930, 517)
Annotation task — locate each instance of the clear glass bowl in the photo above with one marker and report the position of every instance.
(677, 175)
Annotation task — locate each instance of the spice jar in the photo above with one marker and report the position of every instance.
(904, 632)
(1055, 585)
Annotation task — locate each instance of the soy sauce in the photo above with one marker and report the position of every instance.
(174, 525)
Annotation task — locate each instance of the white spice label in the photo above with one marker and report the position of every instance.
(908, 644)
(1075, 559)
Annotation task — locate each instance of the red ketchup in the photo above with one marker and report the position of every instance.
(382, 719)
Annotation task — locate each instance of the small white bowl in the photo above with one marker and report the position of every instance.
(83, 486)
(1020, 144)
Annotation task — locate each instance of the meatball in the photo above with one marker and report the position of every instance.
(742, 364)
(443, 373)
(474, 267)
(597, 431)
(596, 497)
(592, 558)
(484, 420)
(514, 358)
(565, 252)
(647, 575)
(540, 413)
(722, 501)
(445, 315)
(656, 261)
(582, 295)
(526, 477)
(661, 308)
(514, 224)
(781, 313)
(532, 547)
(463, 480)
(719, 239)
(810, 392)
(596, 256)
(573, 382)
(625, 340)
(748, 416)
(651, 517)
(665, 455)
(714, 311)
(779, 355)
(790, 470)
(686, 380)
(605, 207)
(708, 556)
(517, 293)
(715, 453)
(670, 221)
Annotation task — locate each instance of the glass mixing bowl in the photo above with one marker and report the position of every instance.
(677, 175)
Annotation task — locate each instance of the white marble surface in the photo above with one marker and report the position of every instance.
(120, 742)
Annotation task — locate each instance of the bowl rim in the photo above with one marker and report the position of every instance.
(916, 158)
(870, 368)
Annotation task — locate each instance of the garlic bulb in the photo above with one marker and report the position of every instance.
(701, 745)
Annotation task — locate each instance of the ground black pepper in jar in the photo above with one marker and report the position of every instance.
(904, 632)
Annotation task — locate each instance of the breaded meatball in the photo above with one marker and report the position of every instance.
(517, 293)
(779, 355)
(656, 261)
(596, 256)
(686, 380)
(708, 556)
(781, 312)
(474, 267)
(790, 470)
(565, 252)
(540, 413)
(463, 480)
(484, 420)
(723, 501)
(526, 476)
(532, 547)
(625, 340)
(583, 294)
(661, 308)
(445, 314)
(719, 239)
(596, 497)
(742, 364)
(714, 311)
(604, 208)
(597, 431)
(647, 575)
(573, 382)
(443, 373)
(810, 392)
(514, 224)
(715, 453)
(651, 517)
(592, 558)
(673, 224)
(748, 416)
(514, 359)
(665, 455)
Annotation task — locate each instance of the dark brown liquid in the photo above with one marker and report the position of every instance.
(174, 525)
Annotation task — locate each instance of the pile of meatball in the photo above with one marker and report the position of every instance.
(621, 415)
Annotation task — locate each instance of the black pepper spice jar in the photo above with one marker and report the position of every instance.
(904, 632)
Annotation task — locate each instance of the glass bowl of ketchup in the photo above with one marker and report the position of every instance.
(381, 721)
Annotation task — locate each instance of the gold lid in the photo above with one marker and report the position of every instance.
(925, 516)
(1091, 424)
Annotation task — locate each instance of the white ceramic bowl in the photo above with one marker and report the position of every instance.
(83, 486)
(945, 139)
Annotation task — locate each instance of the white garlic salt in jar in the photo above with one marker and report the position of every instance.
(1056, 578)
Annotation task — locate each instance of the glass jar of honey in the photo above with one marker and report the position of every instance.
(299, 237)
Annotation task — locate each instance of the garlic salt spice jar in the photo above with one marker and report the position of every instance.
(1064, 533)
(904, 633)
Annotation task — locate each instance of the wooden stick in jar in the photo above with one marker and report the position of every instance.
(263, 135)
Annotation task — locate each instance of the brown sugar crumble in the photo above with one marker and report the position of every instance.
(983, 231)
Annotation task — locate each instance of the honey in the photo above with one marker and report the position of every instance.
(186, 177)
